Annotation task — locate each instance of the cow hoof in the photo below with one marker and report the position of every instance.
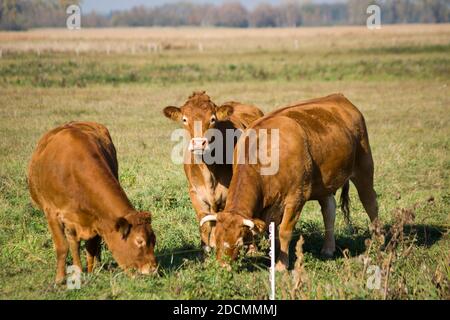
(327, 254)
(59, 281)
(280, 267)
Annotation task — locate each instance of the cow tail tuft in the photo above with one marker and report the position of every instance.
(345, 202)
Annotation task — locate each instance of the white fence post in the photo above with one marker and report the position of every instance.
(272, 260)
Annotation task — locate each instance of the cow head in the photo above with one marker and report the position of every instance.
(232, 232)
(197, 115)
(132, 242)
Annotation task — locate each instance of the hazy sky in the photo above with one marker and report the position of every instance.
(105, 6)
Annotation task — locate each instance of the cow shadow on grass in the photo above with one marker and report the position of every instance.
(168, 260)
(173, 259)
(425, 235)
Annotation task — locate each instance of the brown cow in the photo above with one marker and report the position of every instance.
(323, 143)
(73, 178)
(208, 182)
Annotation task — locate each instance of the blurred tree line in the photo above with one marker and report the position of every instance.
(24, 14)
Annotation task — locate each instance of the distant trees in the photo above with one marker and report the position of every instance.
(435, 11)
(290, 13)
(265, 15)
(23, 14)
(232, 14)
(357, 10)
(11, 15)
(415, 11)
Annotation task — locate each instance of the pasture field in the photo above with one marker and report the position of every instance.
(398, 76)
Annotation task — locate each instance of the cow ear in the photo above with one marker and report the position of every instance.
(123, 226)
(224, 112)
(173, 113)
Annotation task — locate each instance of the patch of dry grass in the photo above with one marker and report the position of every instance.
(143, 40)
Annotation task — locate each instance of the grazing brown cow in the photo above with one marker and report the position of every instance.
(208, 182)
(323, 143)
(73, 178)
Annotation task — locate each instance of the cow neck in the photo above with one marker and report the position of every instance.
(208, 172)
(110, 201)
(110, 235)
(245, 195)
(106, 231)
(116, 207)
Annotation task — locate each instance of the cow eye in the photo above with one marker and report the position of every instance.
(185, 120)
(213, 119)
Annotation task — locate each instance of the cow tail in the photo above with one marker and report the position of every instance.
(345, 202)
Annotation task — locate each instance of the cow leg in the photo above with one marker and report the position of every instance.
(363, 181)
(328, 206)
(74, 246)
(93, 250)
(368, 197)
(287, 225)
(207, 230)
(60, 243)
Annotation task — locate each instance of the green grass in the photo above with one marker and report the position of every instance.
(403, 95)
(376, 64)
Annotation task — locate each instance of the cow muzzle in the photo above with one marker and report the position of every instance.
(148, 268)
(198, 145)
